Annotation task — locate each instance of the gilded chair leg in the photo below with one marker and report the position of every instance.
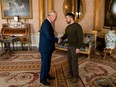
(29, 46)
(2, 46)
(55, 51)
(104, 55)
(22, 45)
(88, 56)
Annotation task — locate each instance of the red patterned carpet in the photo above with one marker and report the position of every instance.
(97, 75)
(22, 69)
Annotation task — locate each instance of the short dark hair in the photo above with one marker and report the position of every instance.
(71, 15)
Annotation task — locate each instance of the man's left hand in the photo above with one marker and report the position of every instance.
(77, 51)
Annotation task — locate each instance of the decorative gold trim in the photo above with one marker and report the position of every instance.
(83, 10)
(49, 5)
(10, 12)
(71, 6)
(98, 8)
(49, 8)
(41, 12)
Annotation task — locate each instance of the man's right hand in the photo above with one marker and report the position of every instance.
(59, 40)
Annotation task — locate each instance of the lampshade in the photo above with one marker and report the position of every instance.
(16, 18)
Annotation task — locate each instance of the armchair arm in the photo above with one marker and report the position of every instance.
(91, 44)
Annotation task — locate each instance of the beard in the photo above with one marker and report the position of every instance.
(68, 22)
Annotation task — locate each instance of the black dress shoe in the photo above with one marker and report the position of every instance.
(51, 78)
(46, 83)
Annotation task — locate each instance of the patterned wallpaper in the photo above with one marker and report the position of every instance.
(87, 21)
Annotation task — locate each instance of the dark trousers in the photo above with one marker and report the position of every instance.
(73, 62)
(45, 66)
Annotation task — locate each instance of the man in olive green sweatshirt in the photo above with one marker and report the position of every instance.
(74, 34)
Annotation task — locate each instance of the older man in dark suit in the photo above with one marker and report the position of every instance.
(47, 47)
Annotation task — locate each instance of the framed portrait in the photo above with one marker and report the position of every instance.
(21, 8)
(110, 13)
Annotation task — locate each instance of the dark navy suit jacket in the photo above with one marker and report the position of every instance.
(47, 38)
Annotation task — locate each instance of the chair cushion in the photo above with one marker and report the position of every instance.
(87, 38)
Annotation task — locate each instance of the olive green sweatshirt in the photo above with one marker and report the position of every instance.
(74, 34)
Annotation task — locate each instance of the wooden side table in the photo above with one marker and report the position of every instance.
(108, 51)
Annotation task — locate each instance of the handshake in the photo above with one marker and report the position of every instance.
(59, 40)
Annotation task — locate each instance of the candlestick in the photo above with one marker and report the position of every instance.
(78, 8)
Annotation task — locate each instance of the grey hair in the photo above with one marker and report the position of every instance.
(52, 13)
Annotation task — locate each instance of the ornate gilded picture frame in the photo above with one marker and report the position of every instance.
(21, 8)
(110, 14)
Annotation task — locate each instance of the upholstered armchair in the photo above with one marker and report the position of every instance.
(88, 45)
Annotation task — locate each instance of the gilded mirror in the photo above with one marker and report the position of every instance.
(75, 6)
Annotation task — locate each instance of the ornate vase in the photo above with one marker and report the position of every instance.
(110, 39)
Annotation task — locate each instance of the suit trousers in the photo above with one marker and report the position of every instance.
(73, 62)
(45, 65)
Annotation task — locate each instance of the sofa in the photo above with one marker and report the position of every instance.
(88, 45)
